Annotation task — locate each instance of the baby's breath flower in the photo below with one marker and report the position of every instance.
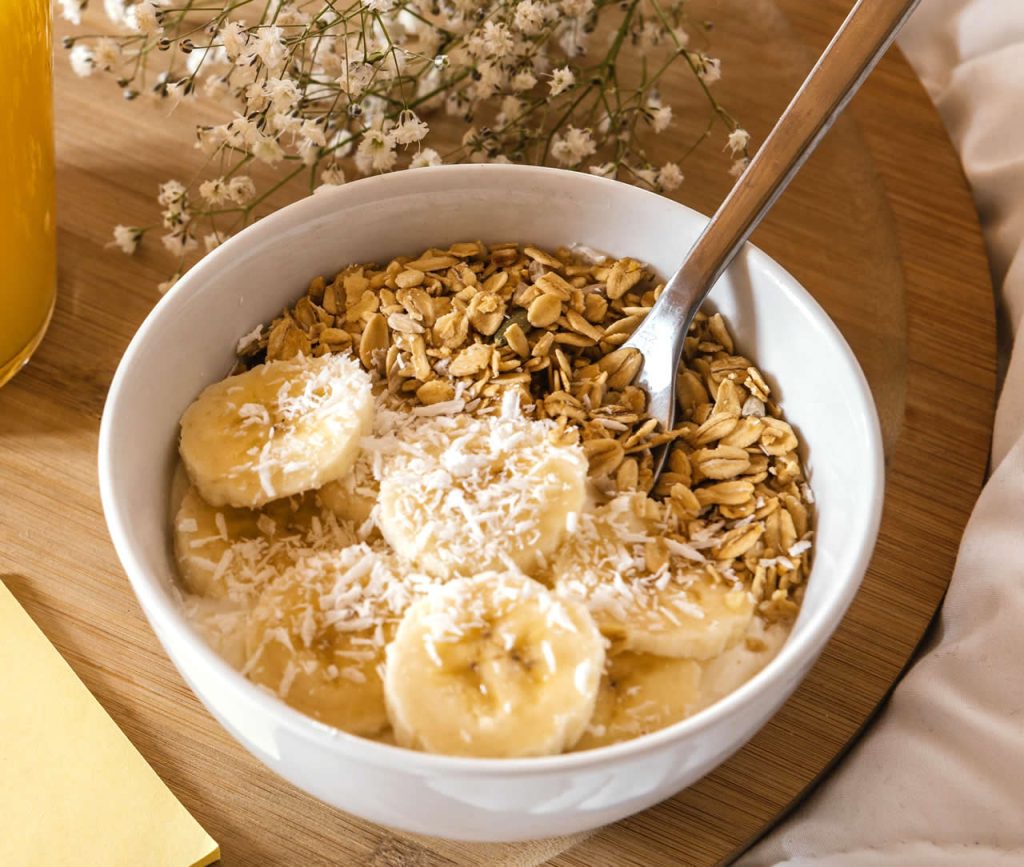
(603, 170)
(669, 177)
(492, 79)
(283, 93)
(81, 60)
(214, 191)
(127, 238)
(269, 47)
(164, 287)
(355, 77)
(255, 97)
(71, 10)
(332, 176)
(739, 167)
(115, 10)
(738, 140)
(210, 138)
(284, 123)
(661, 117)
(494, 41)
(425, 158)
(142, 17)
(240, 132)
(561, 80)
(511, 110)
(175, 218)
(233, 37)
(529, 17)
(178, 243)
(212, 241)
(709, 69)
(267, 150)
(376, 152)
(178, 90)
(172, 194)
(523, 80)
(409, 129)
(313, 132)
(106, 54)
(241, 189)
(308, 152)
(647, 176)
(573, 147)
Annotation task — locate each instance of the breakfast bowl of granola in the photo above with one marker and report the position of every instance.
(382, 480)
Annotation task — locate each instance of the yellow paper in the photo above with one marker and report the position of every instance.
(73, 789)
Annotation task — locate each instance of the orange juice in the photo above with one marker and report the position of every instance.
(28, 262)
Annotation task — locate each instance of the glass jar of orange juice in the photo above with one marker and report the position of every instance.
(28, 260)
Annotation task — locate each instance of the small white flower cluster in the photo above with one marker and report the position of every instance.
(326, 89)
(737, 143)
(174, 199)
(573, 147)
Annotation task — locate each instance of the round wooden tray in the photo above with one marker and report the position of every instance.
(879, 227)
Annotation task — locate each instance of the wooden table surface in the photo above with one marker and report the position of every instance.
(879, 227)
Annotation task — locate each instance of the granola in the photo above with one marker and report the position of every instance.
(459, 330)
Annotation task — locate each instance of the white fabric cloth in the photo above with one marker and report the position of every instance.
(939, 778)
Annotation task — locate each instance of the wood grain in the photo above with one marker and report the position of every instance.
(879, 227)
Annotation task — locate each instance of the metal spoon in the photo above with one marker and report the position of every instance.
(864, 37)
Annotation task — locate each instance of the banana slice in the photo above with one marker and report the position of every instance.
(462, 495)
(641, 693)
(316, 636)
(494, 665)
(226, 553)
(353, 496)
(727, 673)
(279, 429)
(649, 593)
(222, 623)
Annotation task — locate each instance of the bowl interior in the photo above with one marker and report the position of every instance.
(188, 341)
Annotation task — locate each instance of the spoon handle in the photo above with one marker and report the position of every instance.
(863, 38)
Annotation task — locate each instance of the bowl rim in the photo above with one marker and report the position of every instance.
(169, 621)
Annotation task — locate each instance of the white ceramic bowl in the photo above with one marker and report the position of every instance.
(188, 342)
